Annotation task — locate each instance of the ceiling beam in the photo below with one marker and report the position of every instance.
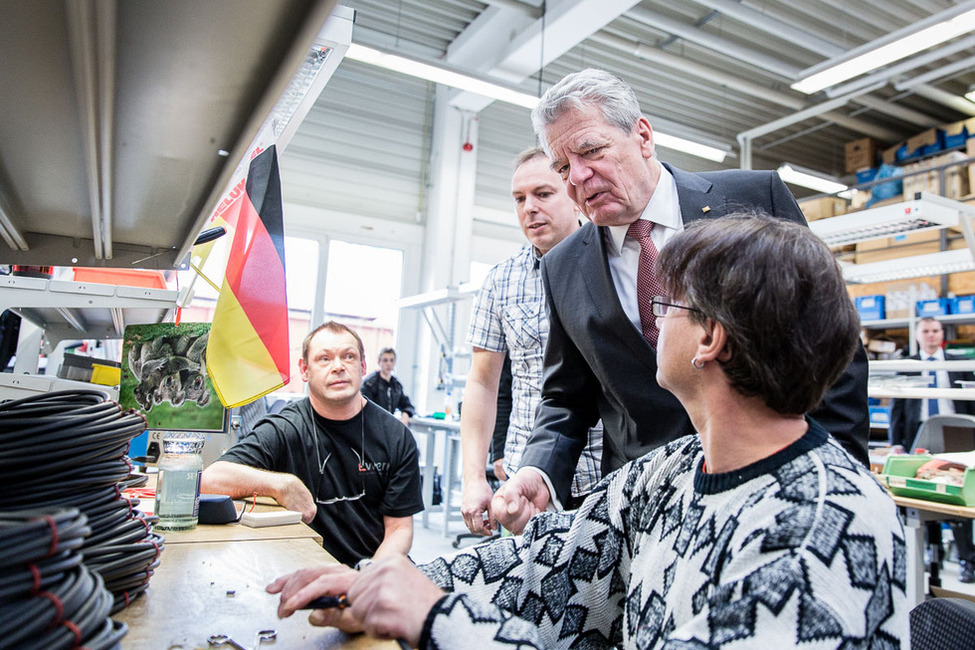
(734, 83)
(565, 25)
(900, 112)
(766, 23)
(91, 35)
(724, 46)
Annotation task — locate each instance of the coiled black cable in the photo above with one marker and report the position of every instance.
(60, 603)
(67, 449)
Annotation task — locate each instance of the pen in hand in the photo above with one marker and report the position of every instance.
(341, 602)
(327, 602)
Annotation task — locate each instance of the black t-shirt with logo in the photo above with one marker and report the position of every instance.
(371, 454)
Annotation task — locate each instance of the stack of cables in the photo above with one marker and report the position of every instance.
(49, 598)
(68, 449)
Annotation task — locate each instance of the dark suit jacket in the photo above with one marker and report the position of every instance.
(598, 365)
(905, 414)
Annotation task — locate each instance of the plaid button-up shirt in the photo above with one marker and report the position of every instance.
(510, 316)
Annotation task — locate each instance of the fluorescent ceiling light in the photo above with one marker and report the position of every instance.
(925, 213)
(790, 174)
(888, 53)
(970, 95)
(689, 146)
(460, 81)
(956, 261)
(439, 75)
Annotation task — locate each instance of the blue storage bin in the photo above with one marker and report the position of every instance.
(957, 132)
(954, 140)
(962, 305)
(870, 307)
(934, 148)
(926, 143)
(880, 415)
(936, 307)
(866, 175)
(889, 190)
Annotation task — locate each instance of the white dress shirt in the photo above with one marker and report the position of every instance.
(945, 406)
(624, 252)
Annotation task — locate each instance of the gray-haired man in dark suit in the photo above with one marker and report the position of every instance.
(600, 360)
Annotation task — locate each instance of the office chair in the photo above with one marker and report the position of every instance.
(943, 624)
(946, 433)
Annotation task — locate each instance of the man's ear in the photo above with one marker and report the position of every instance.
(713, 344)
(303, 368)
(645, 133)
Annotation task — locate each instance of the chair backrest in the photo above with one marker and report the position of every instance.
(943, 624)
(942, 433)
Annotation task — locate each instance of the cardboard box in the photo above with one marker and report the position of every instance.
(861, 154)
(958, 181)
(881, 346)
(919, 178)
(956, 177)
(890, 248)
(822, 208)
(901, 296)
(957, 133)
(926, 143)
(859, 200)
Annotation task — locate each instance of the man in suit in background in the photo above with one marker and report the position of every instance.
(600, 360)
(906, 417)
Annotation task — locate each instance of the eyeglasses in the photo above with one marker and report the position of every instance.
(328, 502)
(323, 463)
(660, 306)
(321, 475)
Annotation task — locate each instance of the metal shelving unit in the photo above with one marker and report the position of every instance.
(82, 310)
(73, 310)
(926, 212)
(442, 323)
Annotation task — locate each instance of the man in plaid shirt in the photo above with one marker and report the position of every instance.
(510, 316)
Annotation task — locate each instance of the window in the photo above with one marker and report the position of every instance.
(362, 286)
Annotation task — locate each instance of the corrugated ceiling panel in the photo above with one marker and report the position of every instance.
(364, 139)
(362, 148)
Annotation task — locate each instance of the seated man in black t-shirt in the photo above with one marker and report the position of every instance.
(347, 465)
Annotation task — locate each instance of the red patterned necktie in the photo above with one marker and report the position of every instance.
(647, 285)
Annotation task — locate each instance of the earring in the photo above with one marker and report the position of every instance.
(694, 362)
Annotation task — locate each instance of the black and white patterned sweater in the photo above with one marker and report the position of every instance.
(801, 549)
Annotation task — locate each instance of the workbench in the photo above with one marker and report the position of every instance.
(916, 513)
(211, 580)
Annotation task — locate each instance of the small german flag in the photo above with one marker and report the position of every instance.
(247, 354)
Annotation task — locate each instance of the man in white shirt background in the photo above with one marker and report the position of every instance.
(906, 417)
